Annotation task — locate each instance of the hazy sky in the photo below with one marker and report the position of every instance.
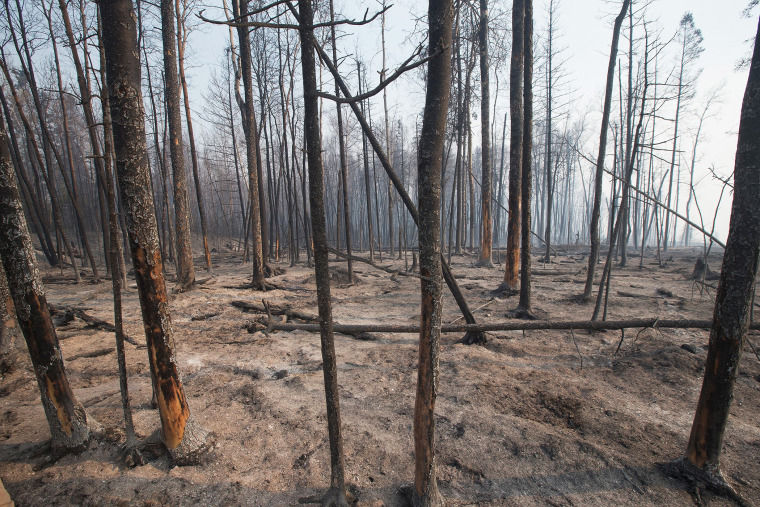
(585, 29)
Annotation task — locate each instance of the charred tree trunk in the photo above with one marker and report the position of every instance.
(181, 40)
(185, 439)
(733, 299)
(185, 267)
(512, 263)
(337, 493)
(257, 283)
(524, 306)
(65, 415)
(594, 229)
(486, 236)
(440, 14)
(344, 171)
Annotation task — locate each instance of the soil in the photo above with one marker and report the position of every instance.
(520, 420)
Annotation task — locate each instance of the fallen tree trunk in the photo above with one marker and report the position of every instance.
(512, 325)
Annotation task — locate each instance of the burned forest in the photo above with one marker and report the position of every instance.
(306, 252)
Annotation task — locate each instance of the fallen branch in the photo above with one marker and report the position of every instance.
(374, 265)
(533, 325)
(274, 310)
(89, 320)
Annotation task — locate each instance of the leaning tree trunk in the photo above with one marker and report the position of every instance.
(440, 14)
(594, 231)
(185, 268)
(185, 439)
(733, 299)
(9, 330)
(512, 263)
(66, 416)
(337, 493)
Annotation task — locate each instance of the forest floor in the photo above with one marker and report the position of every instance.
(520, 420)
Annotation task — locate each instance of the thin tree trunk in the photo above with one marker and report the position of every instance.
(440, 14)
(486, 236)
(337, 493)
(594, 228)
(181, 41)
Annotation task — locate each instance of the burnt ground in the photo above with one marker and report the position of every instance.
(519, 422)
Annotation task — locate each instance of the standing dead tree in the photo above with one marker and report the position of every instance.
(440, 14)
(185, 267)
(594, 230)
(186, 440)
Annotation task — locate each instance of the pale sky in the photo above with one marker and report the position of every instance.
(586, 30)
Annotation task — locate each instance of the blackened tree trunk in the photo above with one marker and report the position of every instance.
(524, 306)
(594, 230)
(440, 16)
(344, 170)
(733, 299)
(185, 268)
(486, 237)
(512, 263)
(251, 132)
(9, 330)
(65, 415)
(185, 439)
(337, 493)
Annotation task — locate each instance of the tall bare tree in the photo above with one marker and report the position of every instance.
(337, 493)
(486, 236)
(594, 229)
(185, 267)
(430, 161)
(186, 440)
(512, 264)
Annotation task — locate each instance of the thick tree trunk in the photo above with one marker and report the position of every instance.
(594, 229)
(185, 440)
(66, 416)
(440, 14)
(337, 493)
(733, 300)
(185, 267)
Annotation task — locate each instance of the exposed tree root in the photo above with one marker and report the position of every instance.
(699, 480)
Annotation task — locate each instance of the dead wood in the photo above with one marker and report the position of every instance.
(393, 272)
(66, 314)
(273, 310)
(516, 325)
